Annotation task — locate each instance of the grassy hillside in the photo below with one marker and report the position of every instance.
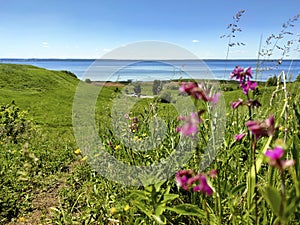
(44, 179)
(46, 95)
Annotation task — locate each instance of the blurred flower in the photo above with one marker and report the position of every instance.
(275, 158)
(249, 85)
(84, 158)
(77, 151)
(239, 137)
(182, 178)
(118, 147)
(22, 219)
(241, 74)
(199, 92)
(262, 128)
(190, 128)
(201, 184)
(113, 210)
(213, 173)
(126, 208)
(237, 103)
(274, 154)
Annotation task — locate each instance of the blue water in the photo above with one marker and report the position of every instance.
(123, 70)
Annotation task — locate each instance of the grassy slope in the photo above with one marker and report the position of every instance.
(46, 95)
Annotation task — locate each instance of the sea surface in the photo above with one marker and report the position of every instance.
(135, 70)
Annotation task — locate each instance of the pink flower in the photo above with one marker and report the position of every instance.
(275, 156)
(239, 137)
(182, 178)
(190, 128)
(200, 183)
(213, 173)
(237, 103)
(249, 85)
(241, 74)
(262, 128)
(199, 92)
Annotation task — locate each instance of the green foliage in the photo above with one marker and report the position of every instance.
(153, 200)
(165, 97)
(14, 123)
(298, 78)
(87, 80)
(45, 162)
(272, 81)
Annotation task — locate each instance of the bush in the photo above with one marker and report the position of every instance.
(14, 123)
(165, 97)
(298, 78)
(87, 80)
(272, 81)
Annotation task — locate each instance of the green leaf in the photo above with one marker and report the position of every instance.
(187, 210)
(160, 209)
(169, 197)
(159, 220)
(273, 198)
(139, 194)
(290, 209)
(143, 208)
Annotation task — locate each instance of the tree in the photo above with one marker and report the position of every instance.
(157, 87)
(137, 88)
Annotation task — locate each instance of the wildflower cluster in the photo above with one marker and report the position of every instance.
(190, 128)
(244, 77)
(186, 178)
(134, 123)
(197, 183)
(198, 92)
(262, 128)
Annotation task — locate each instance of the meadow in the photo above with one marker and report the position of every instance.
(47, 179)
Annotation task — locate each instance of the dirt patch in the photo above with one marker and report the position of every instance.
(41, 204)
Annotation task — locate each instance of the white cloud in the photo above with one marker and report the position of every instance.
(106, 50)
(45, 44)
(195, 41)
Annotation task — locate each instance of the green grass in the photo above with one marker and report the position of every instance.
(44, 181)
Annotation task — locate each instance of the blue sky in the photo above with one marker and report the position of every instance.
(91, 28)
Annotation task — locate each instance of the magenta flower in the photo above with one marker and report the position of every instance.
(237, 103)
(199, 92)
(241, 74)
(274, 154)
(188, 87)
(182, 178)
(275, 158)
(249, 85)
(199, 183)
(255, 103)
(190, 128)
(239, 137)
(262, 128)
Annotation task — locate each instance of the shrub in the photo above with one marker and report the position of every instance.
(272, 81)
(87, 80)
(14, 123)
(298, 78)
